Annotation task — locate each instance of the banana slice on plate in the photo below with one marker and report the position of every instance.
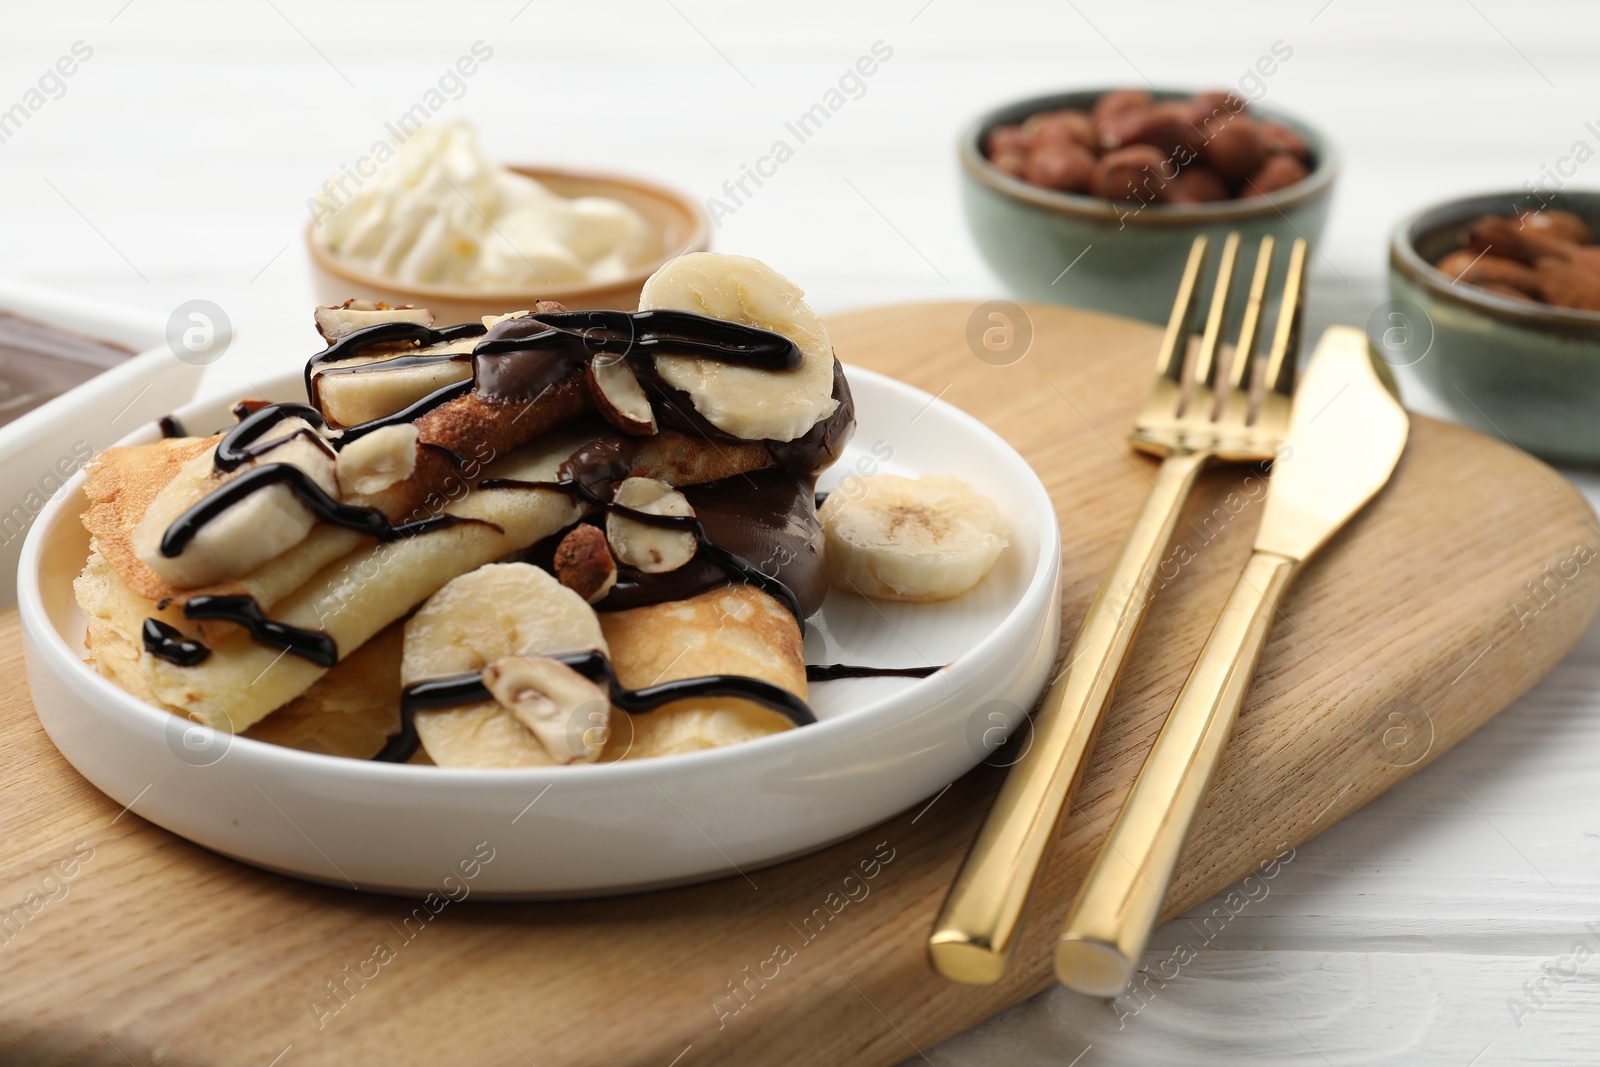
(248, 532)
(505, 621)
(911, 539)
(349, 395)
(747, 402)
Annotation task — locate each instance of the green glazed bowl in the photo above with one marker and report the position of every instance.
(1116, 256)
(1527, 372)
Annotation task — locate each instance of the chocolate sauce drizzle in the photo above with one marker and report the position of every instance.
(521, 358)
(244, 443)
(518, 359)
(357, 342)
(829, 672)
(171, 427)
(411, 413)
(369, 521)
(454, 458)
(313, 645)
(169, 644)
(240, 444)
(457, 690)
(738, 569)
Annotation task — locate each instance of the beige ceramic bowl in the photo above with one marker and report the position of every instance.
(681, 223)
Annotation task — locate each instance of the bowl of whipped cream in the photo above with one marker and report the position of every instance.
(435, 222)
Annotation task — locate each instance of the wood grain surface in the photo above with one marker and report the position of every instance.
(1431, 611)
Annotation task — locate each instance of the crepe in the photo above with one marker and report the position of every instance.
(121, 482)
(336, 581)
(351, 710)
(735, 629)
(350, 598)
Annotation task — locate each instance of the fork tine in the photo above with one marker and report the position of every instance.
(1174, 346)
(1246, 347)
(1280, 373)
(1244, 360)
(1206, 357)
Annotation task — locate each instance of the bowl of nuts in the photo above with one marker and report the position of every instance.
(1495, 301)
(1092, 198)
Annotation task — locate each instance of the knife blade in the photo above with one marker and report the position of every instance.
(1346, 434)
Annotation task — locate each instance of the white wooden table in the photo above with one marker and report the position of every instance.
(1436, 926)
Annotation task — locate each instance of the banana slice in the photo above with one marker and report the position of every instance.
(372, 463)
(349, 399)
(503, 620)
(255, 529)
(749, 403)
(911, 539)
(652, 549)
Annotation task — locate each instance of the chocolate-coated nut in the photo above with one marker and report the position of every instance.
(1235, 150)
(1498, 270)
(1586, 257)
(1218, 102)
(1210, 112)
(1131, 173)
(1012, 163)
(1064, 167)
(1569, 284)
(1119, 100)
(1279, 138)
(1211, 133)
(1062, 126)
(1505, 237)
(1504, 290)
(1003, 140)
(1278, 172)
(1119, 129)
(1117, 116)
(1562, 225)
(1197, 185)
(1168, 126)
(1542, 255)
(1456, 263)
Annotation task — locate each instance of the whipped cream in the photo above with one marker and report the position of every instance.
(441, 212)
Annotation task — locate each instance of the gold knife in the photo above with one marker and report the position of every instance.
(1346, 434)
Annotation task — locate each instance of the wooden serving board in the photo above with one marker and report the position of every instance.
(1412, 629)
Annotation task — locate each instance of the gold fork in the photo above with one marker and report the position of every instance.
(1199, 412)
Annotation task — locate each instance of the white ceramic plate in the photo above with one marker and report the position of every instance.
(57, 436)
(881, 745)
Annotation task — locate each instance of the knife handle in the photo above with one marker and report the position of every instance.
(1117, 907)
(977, 928)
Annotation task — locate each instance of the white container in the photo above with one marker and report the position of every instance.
(42, 449)
(881, 745)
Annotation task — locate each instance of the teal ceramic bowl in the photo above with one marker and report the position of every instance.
(1527, 372)
(1115, 256)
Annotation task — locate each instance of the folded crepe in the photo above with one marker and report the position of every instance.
(736, 630)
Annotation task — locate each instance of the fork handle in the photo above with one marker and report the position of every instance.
(1110, 922)
(977, 927)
